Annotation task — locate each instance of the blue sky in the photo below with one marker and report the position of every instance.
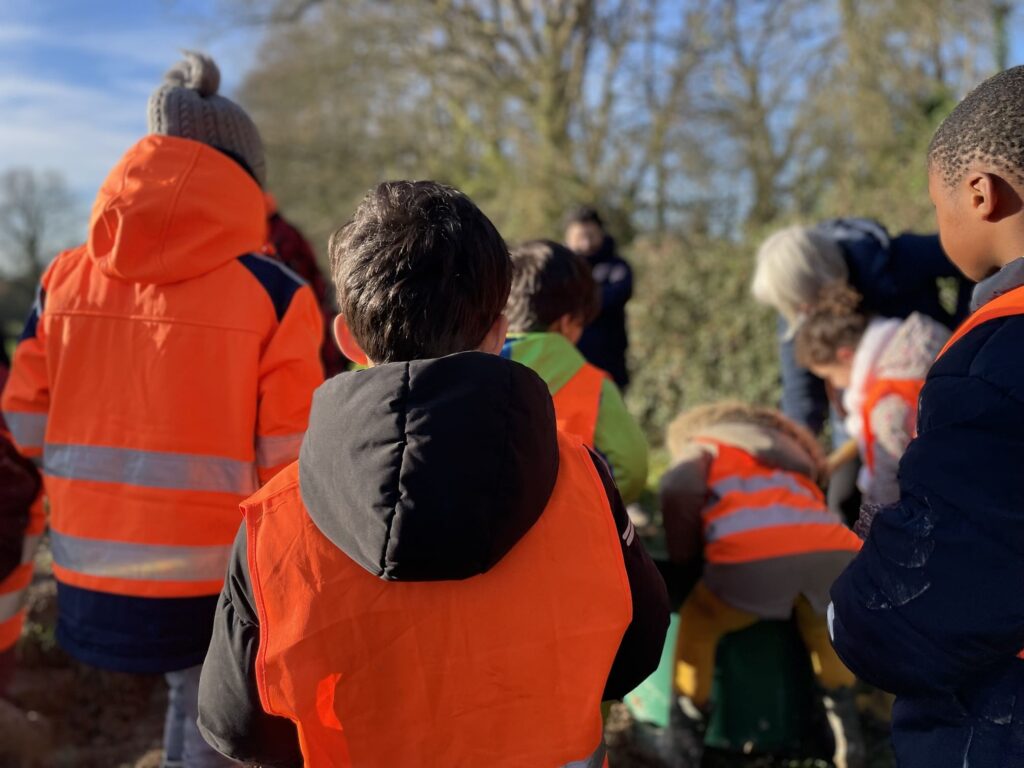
(75, 76)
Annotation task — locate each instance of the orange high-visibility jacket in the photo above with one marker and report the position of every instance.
(165, 371)
(15, 582)
(758, 513)
(506, 668)
(578, 402)
(14, 587)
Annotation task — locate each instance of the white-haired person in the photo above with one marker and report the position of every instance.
(895, 275)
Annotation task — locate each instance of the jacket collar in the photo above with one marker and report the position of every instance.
(1005, 280)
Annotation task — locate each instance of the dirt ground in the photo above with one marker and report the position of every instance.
(62, 714)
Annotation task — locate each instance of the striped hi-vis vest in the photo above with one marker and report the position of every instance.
(756, 513)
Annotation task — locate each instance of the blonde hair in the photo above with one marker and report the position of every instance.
(793, 266)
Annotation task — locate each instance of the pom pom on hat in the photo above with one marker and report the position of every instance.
(187, 105)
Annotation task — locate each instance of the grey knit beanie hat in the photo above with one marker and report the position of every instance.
(187, 105)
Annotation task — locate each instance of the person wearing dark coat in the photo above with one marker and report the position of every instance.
(604, 342)
(897, 276)
(932, 609)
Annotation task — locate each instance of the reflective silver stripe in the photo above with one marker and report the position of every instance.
(629, 534)
(754, 518)
(11, 603)
(278, 449)
(28, 429)
(761, 483)
(150, 469)
(28, 548)
(596, 760)
(830, 617)
(151, 562)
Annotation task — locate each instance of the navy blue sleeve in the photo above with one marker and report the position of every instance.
(934, 597)
(804, 398)
(640, 650)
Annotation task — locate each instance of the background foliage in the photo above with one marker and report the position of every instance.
(698, 126)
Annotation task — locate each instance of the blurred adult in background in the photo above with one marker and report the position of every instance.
(288, 245)
(166, 370)
(604, 341)
(896, 276)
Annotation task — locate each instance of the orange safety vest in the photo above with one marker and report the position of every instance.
(578, 401)
(909, 390)
(506, 668)
(13, 588)
(758, 513)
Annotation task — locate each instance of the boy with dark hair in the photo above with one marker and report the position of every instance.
(392, 598)
(553, 298)
(932, 609)
(604, 341)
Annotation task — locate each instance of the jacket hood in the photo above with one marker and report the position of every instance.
(429, 469)
(173, 209)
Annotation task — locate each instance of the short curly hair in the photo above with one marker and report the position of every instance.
(987, 126)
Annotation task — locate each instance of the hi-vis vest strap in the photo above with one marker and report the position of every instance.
(756, 513)
(14, 587)
(578, 401)
(504, 669)
(1010, 303)
(908, 390)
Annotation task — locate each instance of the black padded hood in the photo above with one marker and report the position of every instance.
(430, 469)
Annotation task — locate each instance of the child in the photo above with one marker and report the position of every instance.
(553, 298)
(21, 525)
(442, 579)
(742, 495)
(879, 364)
(166, 369)
(932, 608)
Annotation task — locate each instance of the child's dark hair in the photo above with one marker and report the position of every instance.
(549, 281)
(584, 214)
(837, 320)
(420, 272)
(986, 126)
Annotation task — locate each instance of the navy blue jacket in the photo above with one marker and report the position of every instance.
(896, 276)
(932, 609)
(604, 342)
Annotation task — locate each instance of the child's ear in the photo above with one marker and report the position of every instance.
(984, 196)
(845, 355)
(347, 343)
(495, 338)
